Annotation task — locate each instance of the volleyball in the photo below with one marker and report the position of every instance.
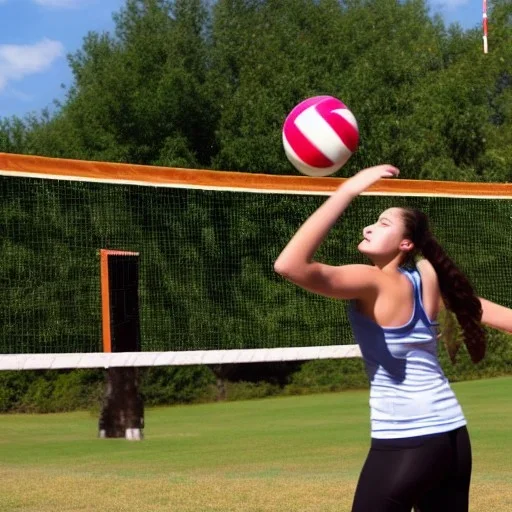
(319, 135)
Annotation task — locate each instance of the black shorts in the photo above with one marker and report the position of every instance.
(430, 473)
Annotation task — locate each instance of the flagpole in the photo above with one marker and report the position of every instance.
(484, 25)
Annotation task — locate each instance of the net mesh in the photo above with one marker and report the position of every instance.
(206, 262)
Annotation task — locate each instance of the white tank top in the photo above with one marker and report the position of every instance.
(409, 393)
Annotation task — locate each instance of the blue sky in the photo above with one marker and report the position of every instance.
(36, 36)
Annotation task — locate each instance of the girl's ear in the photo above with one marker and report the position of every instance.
(406, 245)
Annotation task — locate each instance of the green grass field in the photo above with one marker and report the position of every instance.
(281, 454)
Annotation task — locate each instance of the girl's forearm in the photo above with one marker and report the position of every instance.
(496, 316)
(303, 245)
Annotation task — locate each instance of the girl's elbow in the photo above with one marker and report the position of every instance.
(295, 272)
(287, 267)
(281, 268)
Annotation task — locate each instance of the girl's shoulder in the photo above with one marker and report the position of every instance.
(431, 294)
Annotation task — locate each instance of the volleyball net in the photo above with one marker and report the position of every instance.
(204, 243)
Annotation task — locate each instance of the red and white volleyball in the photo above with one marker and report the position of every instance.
(319, 136)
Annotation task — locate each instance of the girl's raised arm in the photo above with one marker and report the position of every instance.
(295, 262)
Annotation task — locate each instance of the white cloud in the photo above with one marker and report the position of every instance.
(59, 3)
(18, 61)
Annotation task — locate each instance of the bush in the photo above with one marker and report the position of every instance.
(177, 385)
(38, 397)
(13, 386)
(50, 391)
(78, 390)
(325, 375)
(250, 390)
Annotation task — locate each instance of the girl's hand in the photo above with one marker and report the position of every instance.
(363, 179)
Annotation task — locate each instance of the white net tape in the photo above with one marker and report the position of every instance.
(119, 359)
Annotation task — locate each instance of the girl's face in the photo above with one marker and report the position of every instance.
(385, 239)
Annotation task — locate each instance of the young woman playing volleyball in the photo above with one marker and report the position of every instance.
(420, 454)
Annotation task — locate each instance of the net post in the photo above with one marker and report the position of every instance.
(105, 301)
(122, 413)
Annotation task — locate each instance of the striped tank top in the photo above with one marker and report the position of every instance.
(409, 393)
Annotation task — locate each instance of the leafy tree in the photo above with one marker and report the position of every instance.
(13, 135)
(139, 96)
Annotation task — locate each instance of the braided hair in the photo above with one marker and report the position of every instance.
(456, 290)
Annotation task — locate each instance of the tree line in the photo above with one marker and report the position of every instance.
(208, 84)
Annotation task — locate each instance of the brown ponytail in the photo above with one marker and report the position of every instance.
(456, 290)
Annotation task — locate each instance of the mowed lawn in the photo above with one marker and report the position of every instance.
(282, 454)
